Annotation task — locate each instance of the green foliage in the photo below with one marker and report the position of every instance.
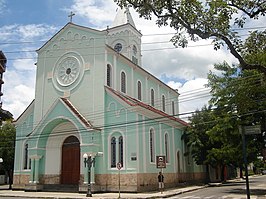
(212, 19)
(255, 48)
(238, 98)
(7, 145)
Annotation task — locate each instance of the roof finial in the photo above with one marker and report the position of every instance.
(71, 16)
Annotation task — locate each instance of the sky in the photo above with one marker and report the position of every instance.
(25, 25)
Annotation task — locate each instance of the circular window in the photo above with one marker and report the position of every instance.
(118, 47)
(67, 71)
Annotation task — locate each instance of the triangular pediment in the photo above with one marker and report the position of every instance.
(69, 34)
(63, 109)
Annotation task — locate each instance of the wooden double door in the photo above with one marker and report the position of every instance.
(70, 169)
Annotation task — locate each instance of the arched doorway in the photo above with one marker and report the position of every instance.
(70, 169)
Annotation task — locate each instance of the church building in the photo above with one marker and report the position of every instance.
(93, 98)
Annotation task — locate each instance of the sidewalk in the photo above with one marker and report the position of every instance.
(56, 195)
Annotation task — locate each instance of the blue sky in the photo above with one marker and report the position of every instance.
(25, 25)
(35, 12)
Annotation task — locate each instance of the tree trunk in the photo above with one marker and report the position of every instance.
(241, 171)
(10, 176)
(223, 179)
(207, 180)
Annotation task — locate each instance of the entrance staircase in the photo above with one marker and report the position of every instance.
(66, 188)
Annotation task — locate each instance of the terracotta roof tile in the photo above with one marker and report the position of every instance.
(76, 112)
(134, 102)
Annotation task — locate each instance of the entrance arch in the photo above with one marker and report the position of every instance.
(70, 169)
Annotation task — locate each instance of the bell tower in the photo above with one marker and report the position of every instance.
(124, 37)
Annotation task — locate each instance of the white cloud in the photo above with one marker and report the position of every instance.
(34, 30)
(193, 95)
(98, 12)
(189, 64)
(25, 32)
(2, 6)
(19, 78)
(17, 99)
(25, 64)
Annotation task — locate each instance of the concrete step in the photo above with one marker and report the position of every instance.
(68, 188)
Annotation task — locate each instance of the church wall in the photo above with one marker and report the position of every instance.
(128, 37)
(122, 67)
(24, 127)
(114, 118)
(84, 45)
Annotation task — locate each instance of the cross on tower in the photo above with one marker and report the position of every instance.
(71, 15)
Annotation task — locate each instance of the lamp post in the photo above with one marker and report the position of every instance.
(88, 161)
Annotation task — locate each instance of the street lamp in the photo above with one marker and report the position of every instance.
(88, 161)
(1, 160)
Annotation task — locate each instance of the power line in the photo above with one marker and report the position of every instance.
(100, 114)
(146, 122)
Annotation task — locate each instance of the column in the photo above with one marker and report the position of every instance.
(36, 173)
(32, 163)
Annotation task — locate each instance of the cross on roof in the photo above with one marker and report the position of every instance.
(71, 15)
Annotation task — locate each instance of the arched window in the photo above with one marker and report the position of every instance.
(123, 82)
(113, 152)
(139, 90)
(166, 145)
(117, 150)
(120, 158)
(163, 102)
(26, 156)
(152, 97)
(152, 149)
(109, 75)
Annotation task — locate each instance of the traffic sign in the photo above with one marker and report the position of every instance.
(160, 161)
(250, 130)
(119, 165)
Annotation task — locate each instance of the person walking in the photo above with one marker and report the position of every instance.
(161, 181)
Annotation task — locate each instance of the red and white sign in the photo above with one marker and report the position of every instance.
(118, 165)
(161, 161)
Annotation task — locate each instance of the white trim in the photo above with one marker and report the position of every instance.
(141, 90)
(137, 142)
(120, 80)
(144, 145)
(160, 138)
(116, 131)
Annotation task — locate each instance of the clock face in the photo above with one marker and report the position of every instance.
(118, 47)
(67, 71)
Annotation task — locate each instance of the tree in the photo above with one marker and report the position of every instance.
(212, 19)
(197, 138)
(242, 94)
(7, 148)
(213, 140)
(238, 98)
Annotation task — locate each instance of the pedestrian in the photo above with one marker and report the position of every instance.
(161, 181)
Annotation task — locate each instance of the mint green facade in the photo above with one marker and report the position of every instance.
(79, 108)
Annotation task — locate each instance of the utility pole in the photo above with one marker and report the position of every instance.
(244, 148)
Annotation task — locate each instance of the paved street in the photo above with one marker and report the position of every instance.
(232, 190)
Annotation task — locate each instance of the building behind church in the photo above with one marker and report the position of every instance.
(93, 96)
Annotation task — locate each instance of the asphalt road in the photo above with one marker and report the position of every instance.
(231, 190)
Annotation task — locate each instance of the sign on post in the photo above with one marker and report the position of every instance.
(160, 162)
(251, 130)
(118, 165)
